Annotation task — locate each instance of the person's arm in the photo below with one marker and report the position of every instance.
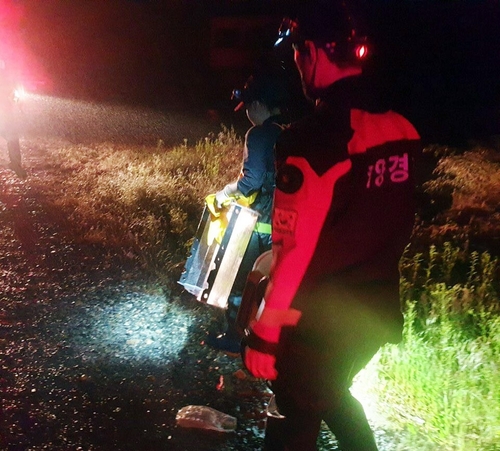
(253, 171)
(254, 163)
(301, 204)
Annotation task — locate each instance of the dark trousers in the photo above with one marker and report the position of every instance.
(338, 334)
(258, 244)
(342, 413)
(14, 151)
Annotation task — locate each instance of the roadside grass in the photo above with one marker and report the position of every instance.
(142, 202)
(441, 382)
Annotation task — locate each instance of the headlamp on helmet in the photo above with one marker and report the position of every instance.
(240, 97)
(268, 88)
(330, 26)
(287, 33)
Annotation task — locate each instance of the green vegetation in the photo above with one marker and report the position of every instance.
(441, 382)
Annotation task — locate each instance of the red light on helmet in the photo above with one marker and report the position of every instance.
(361, 51)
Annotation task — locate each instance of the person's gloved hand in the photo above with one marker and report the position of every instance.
(221, 197)
(259, 356)
(260, 364)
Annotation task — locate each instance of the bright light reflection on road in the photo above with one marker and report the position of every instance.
(137, 326)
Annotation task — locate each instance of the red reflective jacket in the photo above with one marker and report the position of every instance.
(343, 203)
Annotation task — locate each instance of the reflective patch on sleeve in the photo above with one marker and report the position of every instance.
(289, 178)
(371, 130)
(284, 221)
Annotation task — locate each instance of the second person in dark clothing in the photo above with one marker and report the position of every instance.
(264, 98)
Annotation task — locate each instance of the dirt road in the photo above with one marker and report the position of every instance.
(94, 354)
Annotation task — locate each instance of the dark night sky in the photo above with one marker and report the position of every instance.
(445, 59)
(439, 59)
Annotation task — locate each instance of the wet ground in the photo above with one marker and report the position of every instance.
(95, 354)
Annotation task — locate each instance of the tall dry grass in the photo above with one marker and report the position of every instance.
(142, 202)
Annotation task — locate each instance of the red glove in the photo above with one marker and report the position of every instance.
(259, 357)
(260, 364)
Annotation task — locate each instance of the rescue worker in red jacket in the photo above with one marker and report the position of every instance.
(343, 213)
(265, 99)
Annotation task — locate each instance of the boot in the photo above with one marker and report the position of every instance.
(274, 439)
(229, 341)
